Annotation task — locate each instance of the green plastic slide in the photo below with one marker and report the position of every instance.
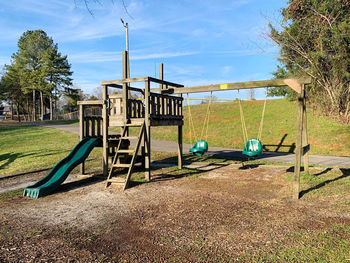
(62, 169)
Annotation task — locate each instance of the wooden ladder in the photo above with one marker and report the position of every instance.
(132, 152)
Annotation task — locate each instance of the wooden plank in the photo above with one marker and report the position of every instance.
(125, 89)
(161, 74)
(167, 83)
(99, 127)
(234, 86)
(90, 102)
(129, 80)
(305, 143)
(294, 84)
(126, 80)
(105, 131)
(121, 86)
(179, 146)
(147, 133)
(156, 122)
(81, 133)
(93, 125)
(87, 128)
(298, 150)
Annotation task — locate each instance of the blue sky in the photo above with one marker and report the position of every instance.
(199, 42)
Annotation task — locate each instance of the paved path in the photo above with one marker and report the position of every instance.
(168, 146)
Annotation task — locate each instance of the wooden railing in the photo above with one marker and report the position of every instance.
(90, 117)
(136, 109)
(161, 107)
(165, 107)
(92, 126)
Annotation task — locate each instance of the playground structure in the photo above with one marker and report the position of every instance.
(161, 106)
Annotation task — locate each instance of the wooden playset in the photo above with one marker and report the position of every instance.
(162, 106)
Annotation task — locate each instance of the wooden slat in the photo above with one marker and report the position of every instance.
(142, 79)
(105, 125)
(126, 80)
(298, 150)
(81, 133)
(91, 102)
(236, 86)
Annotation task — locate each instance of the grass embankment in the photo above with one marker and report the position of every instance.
(27, 148)
(326, 136)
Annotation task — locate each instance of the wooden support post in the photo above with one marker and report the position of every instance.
(81, 133)
(161, 74)
(179, 139)
(125, 93)
(299, 149)
(147, 133)
(305, 141)
(179, 146)
(105, 131)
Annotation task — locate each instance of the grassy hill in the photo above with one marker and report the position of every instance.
(326, 136)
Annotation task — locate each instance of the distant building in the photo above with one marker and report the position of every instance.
(5, 110)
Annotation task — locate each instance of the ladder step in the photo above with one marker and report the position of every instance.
(126, 151)
(129, 138)
(133, 124)
(122, 165)
(116, 180)
(126, 165)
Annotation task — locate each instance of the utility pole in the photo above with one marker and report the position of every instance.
(127, 43)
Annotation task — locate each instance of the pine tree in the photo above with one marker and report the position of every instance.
(42, 68)
(56, 71)
(11, 87)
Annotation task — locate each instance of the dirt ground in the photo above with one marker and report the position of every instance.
(220, 214)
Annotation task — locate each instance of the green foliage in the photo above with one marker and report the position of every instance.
(26, 148)
(36, 66)
(72, 96)
(314, 40)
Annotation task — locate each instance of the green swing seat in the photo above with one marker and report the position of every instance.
(199, 148)
(252, 148)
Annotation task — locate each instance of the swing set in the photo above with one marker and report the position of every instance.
(253, 146)
(201, 145)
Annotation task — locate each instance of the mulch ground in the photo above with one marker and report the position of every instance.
(220, 214)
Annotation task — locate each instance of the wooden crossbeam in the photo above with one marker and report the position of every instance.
(295, 84)
(129, 80)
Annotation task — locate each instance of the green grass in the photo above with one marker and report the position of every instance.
(11, 194)
(326, 245)
(326, 136)
(27, 148)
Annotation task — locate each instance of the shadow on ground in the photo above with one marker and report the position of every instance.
(345, 173)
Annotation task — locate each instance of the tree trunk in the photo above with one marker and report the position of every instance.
(28, 110)
(51, 108)
(41, 105)
(34, 112)
(12, 111)
(18, 116)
